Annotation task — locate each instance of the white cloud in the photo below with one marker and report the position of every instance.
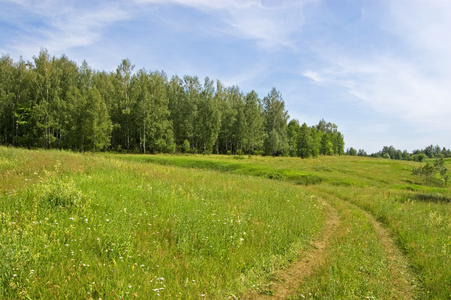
(408, 80)
(423, 24)
(270, 25)
(315, 76)
(60, 25)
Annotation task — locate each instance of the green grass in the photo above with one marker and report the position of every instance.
(356, 265)
(242, 166)
(125, 226)
(417, 216)
(104, 228)
(421, 225)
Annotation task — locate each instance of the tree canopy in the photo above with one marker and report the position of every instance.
(390, 152)
(52, 102)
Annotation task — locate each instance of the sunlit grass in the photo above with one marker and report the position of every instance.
(104, 228)
(356, 264)
(417, 216)
(112, 226)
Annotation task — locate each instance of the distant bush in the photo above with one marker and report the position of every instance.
(419, 157)
(433, 174)
(186, 146)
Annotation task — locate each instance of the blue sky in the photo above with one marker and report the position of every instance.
(380, 70)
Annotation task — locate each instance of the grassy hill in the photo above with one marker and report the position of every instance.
(139, 226)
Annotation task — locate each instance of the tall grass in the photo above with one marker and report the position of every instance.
(417, 216)
(356, 266)
(422, 229)
(104, 228)
(127, 226)
(239, 165)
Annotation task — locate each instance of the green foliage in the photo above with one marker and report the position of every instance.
(305, 142)
(419, 157)
(53, 103)
(254, 131)
(351, 151)
(416, 155)
(433, 173)
(276, 118)
(186, 146)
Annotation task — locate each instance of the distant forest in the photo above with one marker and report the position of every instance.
(54, 103)
(391, 152)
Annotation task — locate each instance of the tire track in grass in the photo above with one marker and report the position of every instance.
(397, 263)
(287, 280)
(294, 275)
(403, 284)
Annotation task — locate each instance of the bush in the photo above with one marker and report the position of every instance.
(436, 173)
(186, 146)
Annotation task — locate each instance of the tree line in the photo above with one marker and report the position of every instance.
(390, 152)
(52, 102)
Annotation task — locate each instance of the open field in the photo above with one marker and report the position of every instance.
(135, 226)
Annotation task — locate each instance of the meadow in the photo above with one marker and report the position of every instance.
(90, 226)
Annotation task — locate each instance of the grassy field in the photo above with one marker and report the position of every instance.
(417, 217)
(87, 226)
(107, 226)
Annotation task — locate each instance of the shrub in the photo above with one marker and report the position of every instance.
(186, 146)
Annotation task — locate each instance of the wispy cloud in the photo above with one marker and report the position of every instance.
(60, 25)
(315, 76)
(269, 25)
(410, 80)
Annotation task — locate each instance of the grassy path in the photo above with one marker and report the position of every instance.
(289, 279)
(402, 283)
(362, 260)
(323, 271)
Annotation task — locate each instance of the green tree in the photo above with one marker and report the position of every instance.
(240, 127)
(152, 112)
(338, 143)
(254, 131)
(351, 151)
(122, 106)
(7, 101)
(362, 153)
(293, 129)
(316, 141)
(275, 120)
(190, 110)
(326, 146)
(232, 125)
(209, 117)
(433, 173)
(75, 105)
(48, 108)
(305, 142)
(274, 142)
(97, 124)
(177, 108)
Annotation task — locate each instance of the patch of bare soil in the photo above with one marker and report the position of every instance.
(287, 280)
